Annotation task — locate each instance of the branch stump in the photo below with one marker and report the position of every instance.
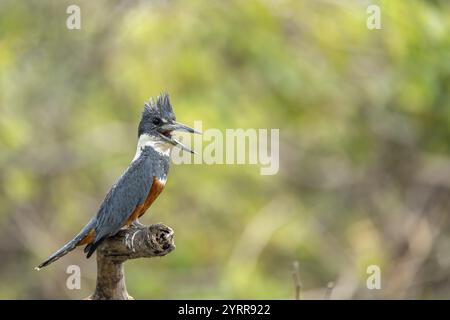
(135, 242)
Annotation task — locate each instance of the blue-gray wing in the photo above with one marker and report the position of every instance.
(125, 196)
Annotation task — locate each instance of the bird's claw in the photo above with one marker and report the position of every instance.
(136, 224)
(129, 240)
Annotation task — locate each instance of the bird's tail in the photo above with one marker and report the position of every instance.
(70, 245)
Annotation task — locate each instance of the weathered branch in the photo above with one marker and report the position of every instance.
(132, 243)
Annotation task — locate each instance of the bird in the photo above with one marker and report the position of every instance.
(141, 183)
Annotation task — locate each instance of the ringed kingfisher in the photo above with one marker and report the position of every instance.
(140, 185)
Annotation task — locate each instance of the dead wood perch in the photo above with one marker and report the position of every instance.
(132, 243)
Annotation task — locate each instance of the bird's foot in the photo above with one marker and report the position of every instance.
(136, 224)
(129, 239)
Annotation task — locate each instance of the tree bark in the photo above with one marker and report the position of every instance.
(132, 243)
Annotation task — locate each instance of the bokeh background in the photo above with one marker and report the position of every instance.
(364, 119)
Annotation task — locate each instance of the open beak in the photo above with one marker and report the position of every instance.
(165, 132)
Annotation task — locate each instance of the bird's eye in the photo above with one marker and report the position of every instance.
(156, 121)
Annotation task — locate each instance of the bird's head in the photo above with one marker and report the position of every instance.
(158, 122)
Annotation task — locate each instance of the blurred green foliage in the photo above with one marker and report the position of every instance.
(364, 120)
